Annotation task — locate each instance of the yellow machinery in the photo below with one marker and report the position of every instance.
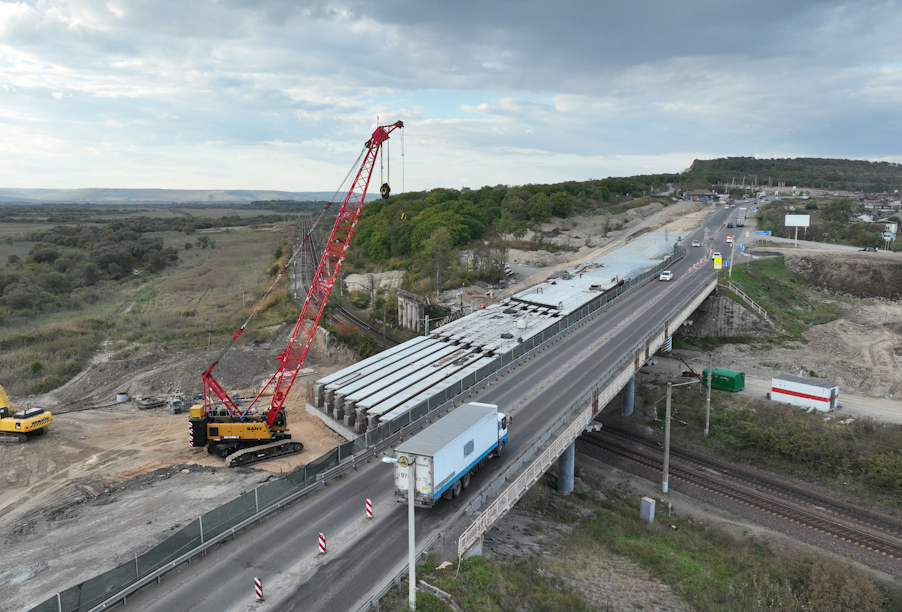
(15, 426)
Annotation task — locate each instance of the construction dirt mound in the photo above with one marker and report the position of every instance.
(852, 274)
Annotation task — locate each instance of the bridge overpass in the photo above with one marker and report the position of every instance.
(562, 386)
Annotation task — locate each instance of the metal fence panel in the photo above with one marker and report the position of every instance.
(228, 515)
(417, 412)
(328, 460)
(273, 491)
(177, 544)
(96, 589)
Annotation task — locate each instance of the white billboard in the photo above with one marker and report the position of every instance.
(797, 220)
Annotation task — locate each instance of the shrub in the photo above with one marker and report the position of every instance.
(360, 299)
(48, 383)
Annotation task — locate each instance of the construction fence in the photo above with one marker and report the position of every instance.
(111, 587)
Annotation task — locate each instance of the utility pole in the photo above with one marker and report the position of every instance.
(664, 484)
(708, 398)
(383, 323)
(670, 386)
(732, 252)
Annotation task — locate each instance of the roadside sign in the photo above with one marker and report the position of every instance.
(739, 248)
(746, 233)
(718, 263)
(726, 263)
(763, 233)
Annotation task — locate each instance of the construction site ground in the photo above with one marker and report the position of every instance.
(111, 480)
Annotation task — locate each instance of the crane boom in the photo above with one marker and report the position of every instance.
(291, 359)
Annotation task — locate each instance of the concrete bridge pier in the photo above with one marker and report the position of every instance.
(629, 397)
(565, 470)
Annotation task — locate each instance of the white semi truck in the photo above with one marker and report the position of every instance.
(740, 217)
(445, 455)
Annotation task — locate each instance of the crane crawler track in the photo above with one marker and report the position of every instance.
(829, 526)
(264, 452)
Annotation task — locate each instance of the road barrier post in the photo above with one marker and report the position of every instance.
(369, 509)
(322, 543)
(258, 589)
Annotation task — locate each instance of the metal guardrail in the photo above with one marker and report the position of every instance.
(750, 301)
(535, 470)
(93, 595)
(601, 393)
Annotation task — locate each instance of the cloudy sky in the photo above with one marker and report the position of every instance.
(281, 94)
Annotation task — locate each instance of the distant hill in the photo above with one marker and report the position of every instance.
(820, 173)
(162, 195)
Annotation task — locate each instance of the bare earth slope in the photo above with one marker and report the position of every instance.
(856, 274)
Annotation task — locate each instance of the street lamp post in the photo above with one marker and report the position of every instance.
(411, 535)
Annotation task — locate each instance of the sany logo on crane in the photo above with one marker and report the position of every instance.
(290, 360)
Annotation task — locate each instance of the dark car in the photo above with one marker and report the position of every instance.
(730, 224)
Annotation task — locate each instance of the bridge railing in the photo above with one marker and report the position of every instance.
(113, 586)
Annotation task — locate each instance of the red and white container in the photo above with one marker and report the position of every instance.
(805, 393)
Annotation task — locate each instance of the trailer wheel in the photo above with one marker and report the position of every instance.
(456, 489)
(500, 450)
(465, 481)
(448, 494)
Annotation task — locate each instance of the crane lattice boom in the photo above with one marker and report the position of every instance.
(294, 354)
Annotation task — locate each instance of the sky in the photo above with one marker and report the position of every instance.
(282, 94)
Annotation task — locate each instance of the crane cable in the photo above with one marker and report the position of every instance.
(341, 189)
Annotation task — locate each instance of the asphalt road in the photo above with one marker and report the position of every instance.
(362, 555)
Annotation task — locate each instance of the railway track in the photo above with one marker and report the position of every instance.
(739, 491)
(775, 488)
(352, 319)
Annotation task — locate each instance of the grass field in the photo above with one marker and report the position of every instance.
(208, 288)
(784, 296)
(709, 568)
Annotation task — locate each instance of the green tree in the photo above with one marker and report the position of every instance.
(560, 204)
(539, 208)
(437, 255)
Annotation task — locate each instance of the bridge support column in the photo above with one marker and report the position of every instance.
(565, 470)
(629, 397)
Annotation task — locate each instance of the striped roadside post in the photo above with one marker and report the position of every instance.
(258, 589)
(369, 509)
(322, 543)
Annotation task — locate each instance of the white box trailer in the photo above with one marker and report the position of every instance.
(445, 455)
(805, 392)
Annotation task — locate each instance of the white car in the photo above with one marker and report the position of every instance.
(716, 254)
(729, 240)
(666, 275)
(696, 243)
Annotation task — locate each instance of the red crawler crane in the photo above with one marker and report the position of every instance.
(242, 434)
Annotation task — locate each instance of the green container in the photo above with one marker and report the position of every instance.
(726, 380)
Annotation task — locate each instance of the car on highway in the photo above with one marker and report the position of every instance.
(696, 243)
(716, 254)
(730, 224)
(666, 275)
(729, 240)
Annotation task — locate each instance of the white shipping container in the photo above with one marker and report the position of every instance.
(449, 451)
(805, 392)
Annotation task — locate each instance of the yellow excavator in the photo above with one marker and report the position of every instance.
(16, 426)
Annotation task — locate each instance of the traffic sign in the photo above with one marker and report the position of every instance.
(746, 233)
(739, 248)
(718, 263)
(761, 232)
